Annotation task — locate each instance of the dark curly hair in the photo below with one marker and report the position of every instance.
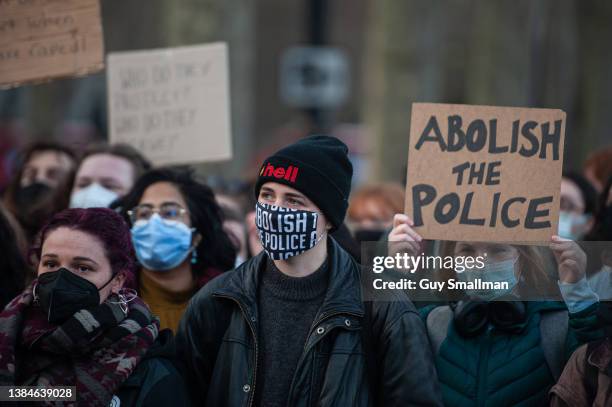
(215, 249)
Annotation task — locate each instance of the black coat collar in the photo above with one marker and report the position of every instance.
(343, 292)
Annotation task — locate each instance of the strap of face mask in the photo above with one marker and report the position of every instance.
(193, 246)
(319, 239)
(108, 282)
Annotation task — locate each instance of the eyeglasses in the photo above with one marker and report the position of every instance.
(169, 211)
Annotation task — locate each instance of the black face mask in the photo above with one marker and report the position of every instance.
(62, 293)
(33, 205)
(27, 197)
(369, 235)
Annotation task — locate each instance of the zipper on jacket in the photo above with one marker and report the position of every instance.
(244, 314)
(483, 366)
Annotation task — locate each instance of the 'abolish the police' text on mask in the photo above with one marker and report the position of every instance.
(285, 232)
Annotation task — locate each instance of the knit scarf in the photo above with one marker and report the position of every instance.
(95, 350)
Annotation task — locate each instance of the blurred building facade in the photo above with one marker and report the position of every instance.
(538, 53)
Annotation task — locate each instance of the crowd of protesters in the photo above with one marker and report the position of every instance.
(143, 286)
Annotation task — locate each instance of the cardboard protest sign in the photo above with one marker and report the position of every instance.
(44, 39)
(484, 173)
(171, 104)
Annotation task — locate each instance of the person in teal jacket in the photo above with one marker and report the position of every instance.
(506, 346)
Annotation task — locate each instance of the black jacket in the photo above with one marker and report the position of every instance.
(217, 341)
(156, 381)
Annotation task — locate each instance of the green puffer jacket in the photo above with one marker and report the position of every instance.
(497, 368)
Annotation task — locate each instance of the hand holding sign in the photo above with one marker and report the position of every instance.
(402, 238)
(480, 173)
(571, 259)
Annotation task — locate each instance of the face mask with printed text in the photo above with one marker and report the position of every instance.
(285, 232)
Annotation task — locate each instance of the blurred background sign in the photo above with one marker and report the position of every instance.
(171, 104)
(40, 41)
(540, 53)
(314, 77)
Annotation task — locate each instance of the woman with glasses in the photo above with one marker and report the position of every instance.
(178, 235)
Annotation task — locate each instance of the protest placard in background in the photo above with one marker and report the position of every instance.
(484, 173)
(44, 39)
(171, 104)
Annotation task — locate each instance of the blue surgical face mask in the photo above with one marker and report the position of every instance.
(572, 226)
(161, 244)
(501, 271)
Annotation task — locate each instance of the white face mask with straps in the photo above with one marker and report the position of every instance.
(93, 196)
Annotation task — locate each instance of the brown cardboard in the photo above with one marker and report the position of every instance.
(171, 104)
(41, 40)
(536, 178)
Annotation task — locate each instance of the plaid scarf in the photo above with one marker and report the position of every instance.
(95, 350)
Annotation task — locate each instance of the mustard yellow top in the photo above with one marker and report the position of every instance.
(168, 306)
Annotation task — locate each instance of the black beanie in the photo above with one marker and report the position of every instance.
(317, 166)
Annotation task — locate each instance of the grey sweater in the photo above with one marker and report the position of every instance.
(287, 308)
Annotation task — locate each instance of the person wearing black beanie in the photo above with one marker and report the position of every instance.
(289, 325)
(317, 166)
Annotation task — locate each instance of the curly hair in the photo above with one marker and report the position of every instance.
(215, 249)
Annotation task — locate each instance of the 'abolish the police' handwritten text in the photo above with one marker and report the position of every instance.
(528, 139)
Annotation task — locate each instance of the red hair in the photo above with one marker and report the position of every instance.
(388, 197)
(600, 163)
(108, 227)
